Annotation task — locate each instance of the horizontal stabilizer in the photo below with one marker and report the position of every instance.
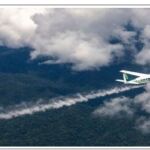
(120, 80)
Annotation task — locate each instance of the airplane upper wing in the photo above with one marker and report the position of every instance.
(133, 73)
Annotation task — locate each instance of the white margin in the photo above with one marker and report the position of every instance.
(71, 2)
(76, 4)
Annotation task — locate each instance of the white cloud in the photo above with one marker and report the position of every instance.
(125, 36)
(17, 26)
(115, 107)
(143, 56)
(143, 124)
(83, 51)
(144, 99)
(141, 21)
(121, 106)
(75, 35)
(78, 36)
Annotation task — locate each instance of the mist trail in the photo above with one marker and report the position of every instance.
(56, 103)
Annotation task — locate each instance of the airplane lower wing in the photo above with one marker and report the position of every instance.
(119, 80)
(126, 82)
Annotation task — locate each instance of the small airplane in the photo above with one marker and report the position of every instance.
(130, 77)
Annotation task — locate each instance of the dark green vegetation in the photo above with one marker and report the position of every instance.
(74, 126)
(22, 80)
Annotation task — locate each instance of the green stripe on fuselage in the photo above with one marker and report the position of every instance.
(143, 81)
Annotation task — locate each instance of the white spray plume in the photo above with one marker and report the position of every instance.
(56, 103)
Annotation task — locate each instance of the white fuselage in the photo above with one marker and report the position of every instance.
(140, 80)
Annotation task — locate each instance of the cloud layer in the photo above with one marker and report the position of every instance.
(77, 36)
